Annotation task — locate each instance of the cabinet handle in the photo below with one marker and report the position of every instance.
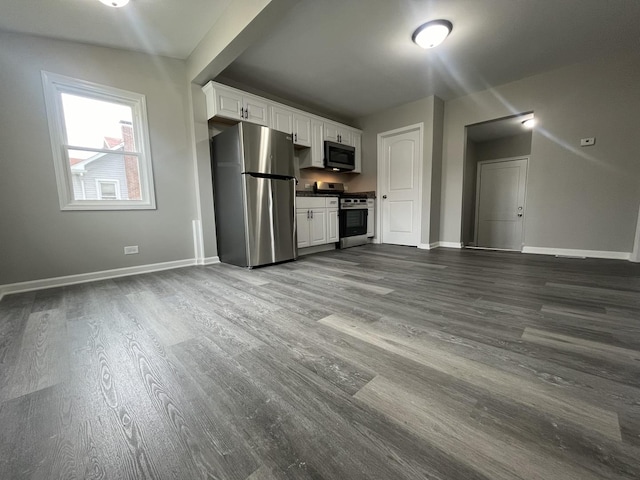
(307, 214)
(295, 136)
(246, 112)
(242, 112)
(339, 138)
(311, 213)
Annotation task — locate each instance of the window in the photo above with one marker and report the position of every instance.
(108, 189)
(100, 142)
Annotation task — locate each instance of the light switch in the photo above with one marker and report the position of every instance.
(587, 142)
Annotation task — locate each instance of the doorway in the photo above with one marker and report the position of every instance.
(400, 185)
(491, 141)
(501, 187)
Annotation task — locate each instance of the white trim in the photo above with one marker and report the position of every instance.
(380, 192)
(570, 252)
(428, 246)
(198, 247)
(92, 276)
(635, 254)
(54, 86)
(211, 260)
(316, 249)
(450, 244)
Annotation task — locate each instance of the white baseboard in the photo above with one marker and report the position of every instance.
(428, 246)
(316, 249)
(450, 244)
(570, 252)
(92, 276)
(210, 260)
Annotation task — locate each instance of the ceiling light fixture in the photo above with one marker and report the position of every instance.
(115, 3)
(529, 123)
(432, 34)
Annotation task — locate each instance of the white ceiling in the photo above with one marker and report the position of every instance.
(350, 58)
(356, 57)
(171, 28)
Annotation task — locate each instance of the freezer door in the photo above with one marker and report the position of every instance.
(271, 224)
(266, 151)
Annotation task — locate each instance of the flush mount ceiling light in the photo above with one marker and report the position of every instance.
(432, 34)
(115, 3)
(529, 123)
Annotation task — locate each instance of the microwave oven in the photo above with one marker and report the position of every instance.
(339, 157)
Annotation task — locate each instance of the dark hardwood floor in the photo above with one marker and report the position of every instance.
(375, 362)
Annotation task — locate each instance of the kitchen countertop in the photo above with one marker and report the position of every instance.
(311, 193)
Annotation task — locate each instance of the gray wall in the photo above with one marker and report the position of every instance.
(427, 111)
(37, 239)
(577, 198)
(507, 147)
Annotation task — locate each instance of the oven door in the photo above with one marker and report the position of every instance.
(353, 222)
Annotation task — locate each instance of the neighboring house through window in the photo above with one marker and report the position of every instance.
(100, 142)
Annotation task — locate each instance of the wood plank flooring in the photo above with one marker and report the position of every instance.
(375, 362)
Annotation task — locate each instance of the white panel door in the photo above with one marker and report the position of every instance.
(400, 187)
(500, 212)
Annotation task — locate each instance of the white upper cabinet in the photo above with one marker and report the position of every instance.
(301, 129)
(282, 119)
(227, 102)
(306, 129)
(291, 121)
(334, 132)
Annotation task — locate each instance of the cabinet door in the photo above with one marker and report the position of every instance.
(334, 132)
(344, 136)
(331, 132)
(282, 119)
(318, 226)
(332, 225)
(317, 144)
(357, 144)
(301, 130)
(228, 103)
(302, 224)
(257, 111)
(371, 223)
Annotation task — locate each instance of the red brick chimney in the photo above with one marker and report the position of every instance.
(131, 167)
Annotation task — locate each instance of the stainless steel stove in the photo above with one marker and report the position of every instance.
(352, 215)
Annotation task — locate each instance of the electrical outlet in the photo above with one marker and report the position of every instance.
(307, 185)
(346, 187)
(587, 142)
(131, 250)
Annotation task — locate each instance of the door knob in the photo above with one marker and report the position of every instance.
(519, 214)
(384, 196)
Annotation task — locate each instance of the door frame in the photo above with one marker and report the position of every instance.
(477, 207)
(380, 139)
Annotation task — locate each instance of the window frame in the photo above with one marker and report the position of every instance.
(55, 85)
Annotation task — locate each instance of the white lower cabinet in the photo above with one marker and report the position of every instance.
(317, 220)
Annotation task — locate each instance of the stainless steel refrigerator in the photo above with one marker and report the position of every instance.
(254, 195)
